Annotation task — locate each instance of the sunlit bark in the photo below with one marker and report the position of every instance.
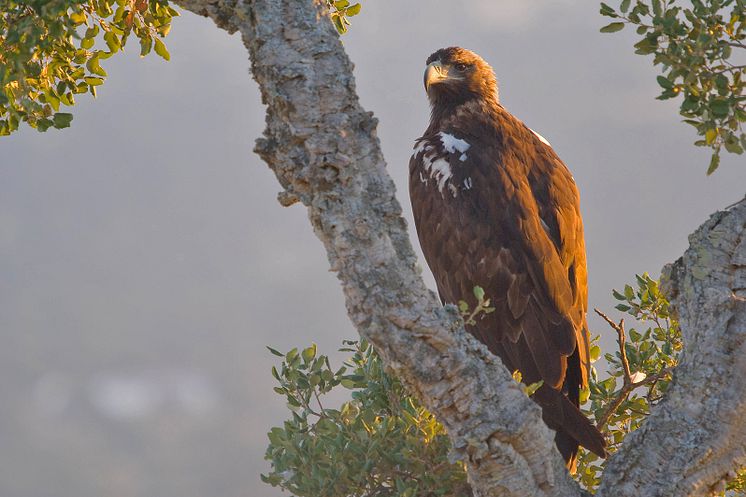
(695, 438)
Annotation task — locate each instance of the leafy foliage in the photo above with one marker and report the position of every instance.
(380, 443)
(51, 50)
(699, 48)
(383, 442)
(639, 373)
(737, 486)
(340, 10)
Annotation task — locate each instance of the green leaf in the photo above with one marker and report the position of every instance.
(78, 17)
(62, 120)
(646, 46)
(657, 7)
(624, 7)
(112, 41)
(52, 100)
(479, 293)
(309, 353)
(629, 292)
(275, 352)
(733, 147)
(613, 27)
(353, 10)
(92, 32)
(664, 82)
(160, 49)
(721, 82)
(720, 107)
(44, 124)
(93, 65)
(533, 387)
(291, 355)
(595, 353)
(93, 81)
(348, 384)
(607, 11)
(146, 44)
(341, 28)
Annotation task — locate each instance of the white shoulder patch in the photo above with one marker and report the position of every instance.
(435, 164)
(453, 144)
(543, 140)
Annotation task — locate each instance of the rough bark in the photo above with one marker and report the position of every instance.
(324, 151)
(695, 438)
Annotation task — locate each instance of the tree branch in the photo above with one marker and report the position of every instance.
(696, 436)
(323, 149)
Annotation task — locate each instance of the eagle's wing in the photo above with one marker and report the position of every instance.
(558, 204)
(551, 228)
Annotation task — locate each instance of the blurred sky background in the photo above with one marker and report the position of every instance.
(146, 263)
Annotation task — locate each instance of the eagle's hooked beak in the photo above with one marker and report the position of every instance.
(435, 73)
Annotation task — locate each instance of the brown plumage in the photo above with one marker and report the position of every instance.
(495, 207)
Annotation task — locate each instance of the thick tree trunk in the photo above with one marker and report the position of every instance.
(695, 438)
(323, 148)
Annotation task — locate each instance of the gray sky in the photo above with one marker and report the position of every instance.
(146, 262)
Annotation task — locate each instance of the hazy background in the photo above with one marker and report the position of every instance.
(145, 263)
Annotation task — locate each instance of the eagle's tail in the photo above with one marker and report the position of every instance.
(580, 431)
(573, 428)
(568, 448)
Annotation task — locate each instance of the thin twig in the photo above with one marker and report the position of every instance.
(731, 68)
(318, 400)
(628, 385)
(621, 338)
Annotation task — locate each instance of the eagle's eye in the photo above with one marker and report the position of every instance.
(460, 66)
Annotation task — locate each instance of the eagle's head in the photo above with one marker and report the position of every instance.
(456, 75)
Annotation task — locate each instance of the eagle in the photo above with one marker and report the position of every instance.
(495, 207)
